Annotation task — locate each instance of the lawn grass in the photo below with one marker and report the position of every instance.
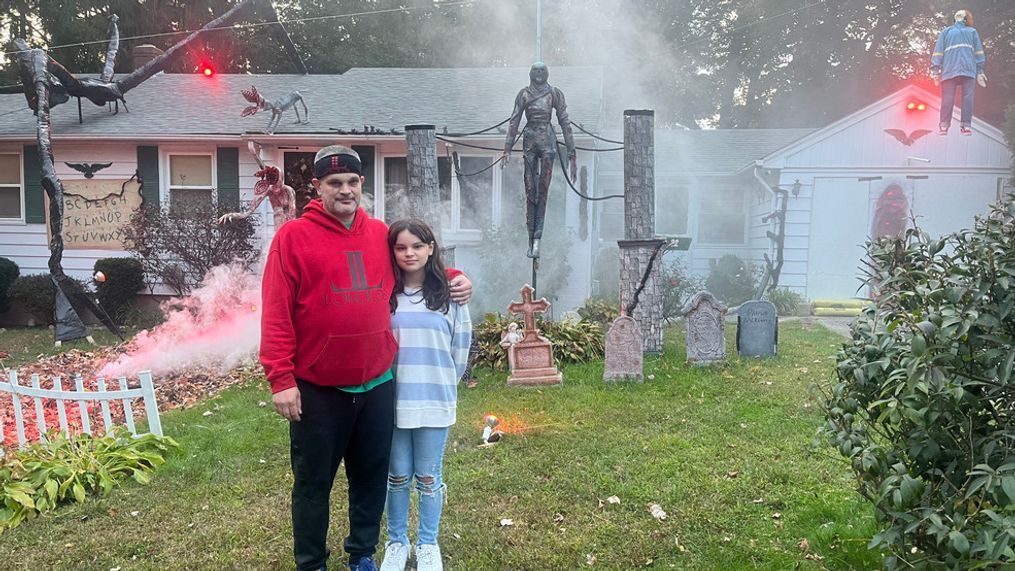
(675, 440)
(27, 344)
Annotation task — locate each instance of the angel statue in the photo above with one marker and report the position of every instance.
(277, 107)
(281, 196)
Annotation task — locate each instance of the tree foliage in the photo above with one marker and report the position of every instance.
(924, 402)
(727, 63)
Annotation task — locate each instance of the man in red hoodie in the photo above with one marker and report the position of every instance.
(327, 350)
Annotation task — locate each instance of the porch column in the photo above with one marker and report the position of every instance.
(641, 251)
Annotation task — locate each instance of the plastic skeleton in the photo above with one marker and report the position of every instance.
(277, 107)
(281, 196)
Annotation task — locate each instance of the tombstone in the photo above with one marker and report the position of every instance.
(705, 319)
(757, 329)
(624, 351)
(533, 355)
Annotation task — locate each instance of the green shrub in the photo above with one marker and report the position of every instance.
(678, 286)
(9, 272)
(124, 277)
(573, 342)
(599, 310)
(36, 293)
(61, 469)
(785, 300)
(923, 402)
(731, 280)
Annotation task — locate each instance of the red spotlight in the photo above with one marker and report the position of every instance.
(921, 107)
(206, 69)
(910, 106)
(916, 106)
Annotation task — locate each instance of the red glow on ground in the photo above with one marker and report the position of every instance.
(509, 424)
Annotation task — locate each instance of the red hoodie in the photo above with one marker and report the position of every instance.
(326, 317)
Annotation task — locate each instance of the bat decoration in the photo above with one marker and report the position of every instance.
(89, 169)
(905, 139)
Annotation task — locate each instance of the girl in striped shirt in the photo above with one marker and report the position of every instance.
(433, 337)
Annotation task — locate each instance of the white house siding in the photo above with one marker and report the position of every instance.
(946, 180)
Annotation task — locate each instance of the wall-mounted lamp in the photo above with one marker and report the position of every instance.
(795, 190)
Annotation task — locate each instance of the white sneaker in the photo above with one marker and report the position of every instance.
(396, 555)
(428, 558)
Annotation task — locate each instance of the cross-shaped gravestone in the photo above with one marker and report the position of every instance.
(528, 309)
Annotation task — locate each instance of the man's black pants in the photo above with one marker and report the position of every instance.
(337, 425)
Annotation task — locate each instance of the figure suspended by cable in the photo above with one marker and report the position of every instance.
(280, 195)
(957, 63)
(539, 145)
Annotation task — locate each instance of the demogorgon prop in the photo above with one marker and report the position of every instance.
(47, 83)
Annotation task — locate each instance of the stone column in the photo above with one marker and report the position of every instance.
(640, 248)
(421, 161)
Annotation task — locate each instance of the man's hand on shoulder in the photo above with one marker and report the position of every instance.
(288, 404)
(461, 289)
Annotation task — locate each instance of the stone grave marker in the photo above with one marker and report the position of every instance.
(533, 355)
(757, 329)
(705, 320)
(624, 351)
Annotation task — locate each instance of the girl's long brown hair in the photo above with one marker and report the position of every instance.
(436, 290)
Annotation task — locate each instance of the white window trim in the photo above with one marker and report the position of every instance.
(21, 168)
(743, 214)
(167, 177)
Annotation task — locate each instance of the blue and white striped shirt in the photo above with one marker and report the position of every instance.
(433, 349)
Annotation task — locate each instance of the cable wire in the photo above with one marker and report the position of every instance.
(594, 136)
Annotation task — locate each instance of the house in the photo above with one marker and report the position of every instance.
(861, 176)
(185, 138)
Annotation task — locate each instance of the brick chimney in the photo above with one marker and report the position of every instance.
(144, 53)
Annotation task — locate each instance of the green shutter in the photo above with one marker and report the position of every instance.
(148, 170)
(229, 178)
(35, 202)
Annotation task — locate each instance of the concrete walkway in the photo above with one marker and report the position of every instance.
(839, 325)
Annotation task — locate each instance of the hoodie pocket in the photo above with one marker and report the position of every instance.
(347, 360)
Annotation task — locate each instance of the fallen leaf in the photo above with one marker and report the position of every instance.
(613, 500)
(135, 514)
(657, 511)
(742, 425)
(732, 474)
(456, 536)
(506, 522)
(813, 557)
(590, 559)
(262, 404)
(777, 515)
(68, 545)
(471, 384)
(558, 517)
(207, 413)
(804, 545)
(758, 501)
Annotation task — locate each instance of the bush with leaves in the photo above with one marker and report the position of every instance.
(9, 272)
(678, 286)
(573, 342)
(785, 300)
(61, 469)
(600, 311)
(36, 293)
(924, 401)
(124, 277)
(177, 245)
(732, 280)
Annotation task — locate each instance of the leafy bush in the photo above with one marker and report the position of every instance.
(9, 272)
(678, 286)
(923, 402)
(37, 294)
(61, 469)
(124, 277)
(732, 280)
(785, 300)
(177, 246)
(573, 342)
(600, 311)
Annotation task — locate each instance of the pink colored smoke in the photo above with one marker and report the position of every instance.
(217, 327)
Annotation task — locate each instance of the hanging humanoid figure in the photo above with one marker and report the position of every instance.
(539, 145)
(281, 196)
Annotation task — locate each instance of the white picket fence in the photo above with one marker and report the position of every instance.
(82, 396)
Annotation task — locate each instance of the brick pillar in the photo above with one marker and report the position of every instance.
(640, 243)
(421, 161)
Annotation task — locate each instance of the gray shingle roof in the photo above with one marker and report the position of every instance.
(463, 99)
(719, 150)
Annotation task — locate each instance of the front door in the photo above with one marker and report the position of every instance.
(840, 225)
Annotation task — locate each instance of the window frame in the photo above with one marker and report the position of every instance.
(168, 176)
(21, 188)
